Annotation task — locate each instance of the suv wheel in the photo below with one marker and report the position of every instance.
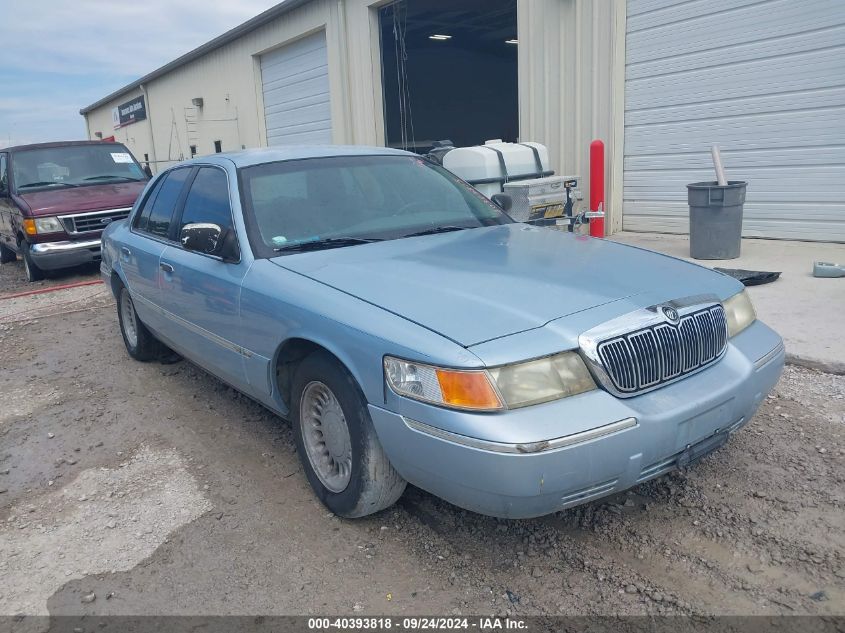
(139, 341)
(33, 272)
(337, 444)
(7, 255)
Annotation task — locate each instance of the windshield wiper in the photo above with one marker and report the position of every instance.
(46, 183)
(125, 178)
(437, 229)
(332, 242)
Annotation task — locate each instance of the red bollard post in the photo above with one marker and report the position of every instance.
(597, 187)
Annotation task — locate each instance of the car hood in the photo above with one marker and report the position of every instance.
(86, 198)
(482, 284)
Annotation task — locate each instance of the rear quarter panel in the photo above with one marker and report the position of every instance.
(110, 249)
(115, 234)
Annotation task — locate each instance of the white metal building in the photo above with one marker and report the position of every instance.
(659, 81)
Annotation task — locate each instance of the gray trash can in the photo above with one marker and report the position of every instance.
(715, 219)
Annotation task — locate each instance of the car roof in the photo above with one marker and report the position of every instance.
(250, 157)
(17, 148)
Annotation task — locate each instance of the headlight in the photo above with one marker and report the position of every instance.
(511, 386)
(543, 380)
(739, 312)
(43, 225)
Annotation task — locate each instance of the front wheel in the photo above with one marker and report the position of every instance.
(139, 341)
(337, 444)
(33, 272)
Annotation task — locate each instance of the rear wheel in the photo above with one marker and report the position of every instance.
(337, 444)
(33, 272)
(7, 255)
(139, 341)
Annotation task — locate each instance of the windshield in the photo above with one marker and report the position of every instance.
(348, 200)
(73, 166)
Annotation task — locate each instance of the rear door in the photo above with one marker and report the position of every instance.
(202, 292)
(141, 251)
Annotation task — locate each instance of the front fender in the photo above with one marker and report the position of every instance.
(278, 305)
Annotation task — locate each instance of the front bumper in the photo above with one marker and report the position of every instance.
(498, 464)
(54, 255)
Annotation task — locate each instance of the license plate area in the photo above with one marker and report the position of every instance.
(693, 453)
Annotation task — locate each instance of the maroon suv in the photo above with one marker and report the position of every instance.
(56, 199)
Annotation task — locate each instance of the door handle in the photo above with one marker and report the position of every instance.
(125, 250)
(166, 267)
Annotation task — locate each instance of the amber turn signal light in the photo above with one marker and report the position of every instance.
(468, 390)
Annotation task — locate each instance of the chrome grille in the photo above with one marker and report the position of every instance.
(643, 359)
(93, 221)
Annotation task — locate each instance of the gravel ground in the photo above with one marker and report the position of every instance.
(13, 277)
(129, 488)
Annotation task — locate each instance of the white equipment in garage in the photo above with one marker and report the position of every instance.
(548, 200)
(522, 171)
(488, 167)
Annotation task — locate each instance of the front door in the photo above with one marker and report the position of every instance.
(201, 293)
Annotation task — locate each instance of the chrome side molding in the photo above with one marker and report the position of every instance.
(521, 448)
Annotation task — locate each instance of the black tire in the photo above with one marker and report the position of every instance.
(141, 344)
(33, 272)
(373, 482)
(7, 255)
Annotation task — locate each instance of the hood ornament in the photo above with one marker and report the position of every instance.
(671, 314)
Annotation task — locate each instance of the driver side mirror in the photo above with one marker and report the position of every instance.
(210, 239)
(503, 201)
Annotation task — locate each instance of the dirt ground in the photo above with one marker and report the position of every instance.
(13, 278)
(129, 488)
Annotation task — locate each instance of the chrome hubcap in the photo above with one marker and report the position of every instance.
(127, 314)
(326, 436)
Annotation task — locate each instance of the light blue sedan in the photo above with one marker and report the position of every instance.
(412, 332)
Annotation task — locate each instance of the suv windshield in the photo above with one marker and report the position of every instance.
(342, 201)
(73, 166)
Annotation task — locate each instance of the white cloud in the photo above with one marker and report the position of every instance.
(60, 55)
(104, 36)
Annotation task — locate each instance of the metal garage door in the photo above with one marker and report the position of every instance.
(763, 80)
(295, 81)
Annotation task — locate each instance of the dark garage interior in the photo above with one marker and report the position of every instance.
(449, 71)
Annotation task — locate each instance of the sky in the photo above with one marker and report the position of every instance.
(61, 55)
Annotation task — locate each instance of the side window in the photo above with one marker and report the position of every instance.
(162, 203)
(208, 199)
(142, 218)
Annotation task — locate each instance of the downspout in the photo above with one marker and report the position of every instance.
(343, 71)
(87, 126)
(153, 153)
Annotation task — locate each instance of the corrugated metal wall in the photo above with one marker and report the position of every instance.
(295, 84)
(571, 58)
(763, 80)
(229, 81)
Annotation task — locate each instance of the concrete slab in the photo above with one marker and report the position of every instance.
(809, 313)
